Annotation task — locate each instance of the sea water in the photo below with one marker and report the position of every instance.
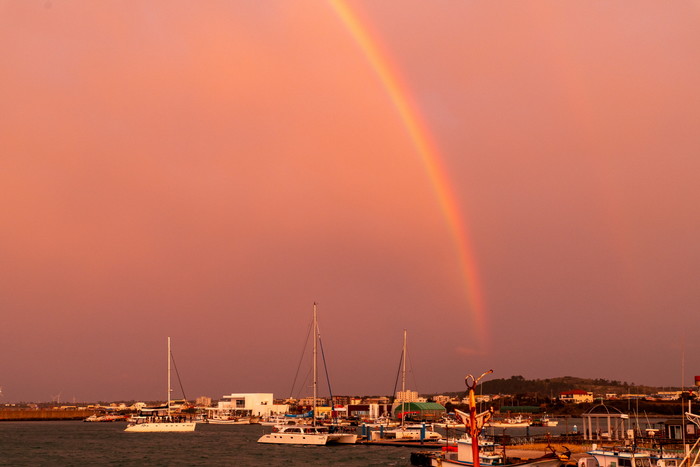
(77, 443)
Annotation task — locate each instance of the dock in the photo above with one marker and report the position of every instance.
(403, 443)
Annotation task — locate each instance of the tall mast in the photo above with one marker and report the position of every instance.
(403, 380)
(403, 364)
(315, 326)
(168, 406)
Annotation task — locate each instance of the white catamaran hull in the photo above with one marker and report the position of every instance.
(294, 438)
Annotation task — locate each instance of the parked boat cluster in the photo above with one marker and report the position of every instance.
(392, 426)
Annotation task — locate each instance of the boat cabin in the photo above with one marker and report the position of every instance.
(615, 457)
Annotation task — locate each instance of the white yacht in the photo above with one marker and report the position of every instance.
(299, 434)
(309, 434)
(161, 419)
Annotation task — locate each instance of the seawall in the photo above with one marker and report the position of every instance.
(7, 415)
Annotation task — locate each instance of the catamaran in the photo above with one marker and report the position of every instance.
(305, 434)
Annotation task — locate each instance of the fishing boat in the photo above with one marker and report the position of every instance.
(161, 419)
(544, 421)
(614, 457)
(692, 452)
(489, 454)
(313, 434)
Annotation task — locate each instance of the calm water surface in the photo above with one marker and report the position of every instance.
(78, 443)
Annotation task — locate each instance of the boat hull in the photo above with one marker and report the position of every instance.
(161, 427)
(550, 462)
(343, 438)
(508, 425)
(228, 422)
(294, 438)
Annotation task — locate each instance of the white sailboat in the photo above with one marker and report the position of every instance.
(404, 432)
(157, 422)
(304, 434)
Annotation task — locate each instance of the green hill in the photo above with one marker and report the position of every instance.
(552, 387)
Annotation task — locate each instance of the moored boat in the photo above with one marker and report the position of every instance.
(161, 419)
(615, 457)
(313, 434)
(106, 418)
(412, 432)
(510, 422)
(544, 421)
(489, 454)
(231, 421)
(449, 422)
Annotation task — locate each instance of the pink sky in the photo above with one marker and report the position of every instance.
(208, 170)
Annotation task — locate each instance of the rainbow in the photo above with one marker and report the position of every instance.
(430, 156)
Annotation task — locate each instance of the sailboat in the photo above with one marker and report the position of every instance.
(404, 432)
(161, 419)
(305, 434)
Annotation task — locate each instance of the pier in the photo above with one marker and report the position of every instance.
(17, 415)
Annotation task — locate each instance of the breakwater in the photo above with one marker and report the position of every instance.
(7, 415)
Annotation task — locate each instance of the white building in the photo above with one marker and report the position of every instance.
(407, 396)
(257, 404)
(577, 396)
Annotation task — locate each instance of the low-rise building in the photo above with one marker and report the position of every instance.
(576, 396)
(407, 396)
(256, 404)
(203, 401)
(425, 411)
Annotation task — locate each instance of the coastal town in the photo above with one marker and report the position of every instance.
(439, 428)
(572, 402)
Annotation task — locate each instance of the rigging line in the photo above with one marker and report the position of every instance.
(303, 384)
(396, 381)
(172, 357)
(325, 369)
(303, 351)
(413, 374)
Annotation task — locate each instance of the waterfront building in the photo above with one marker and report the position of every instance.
(375, 400)
(420, 411)
(442, 400)
(309, 401)
(406, 396)
(203, 401)
(137, 406)
(576, 396)
(341, 400)
(367, 411)
(255, 404)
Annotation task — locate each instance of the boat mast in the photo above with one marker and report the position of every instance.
(168, 406)
(403, 381)
(315, 326)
